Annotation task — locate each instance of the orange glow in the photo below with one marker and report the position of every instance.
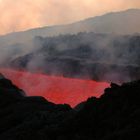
(19, 15)
(56, 89)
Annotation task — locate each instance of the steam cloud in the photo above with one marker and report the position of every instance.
(85, 55)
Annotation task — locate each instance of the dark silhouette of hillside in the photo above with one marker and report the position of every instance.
(113, 116)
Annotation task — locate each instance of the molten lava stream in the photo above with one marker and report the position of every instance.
(59, 90)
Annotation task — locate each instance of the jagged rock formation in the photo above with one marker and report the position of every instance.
(22, 117)
(113, 116)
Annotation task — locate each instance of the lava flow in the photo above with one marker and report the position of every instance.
(59, 90)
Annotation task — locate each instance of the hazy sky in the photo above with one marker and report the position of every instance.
(18, 15)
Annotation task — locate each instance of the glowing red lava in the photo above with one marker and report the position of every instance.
(55, 89)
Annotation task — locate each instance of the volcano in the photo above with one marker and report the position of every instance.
(59, 90)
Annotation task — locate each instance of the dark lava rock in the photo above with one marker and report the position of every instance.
(113, 116)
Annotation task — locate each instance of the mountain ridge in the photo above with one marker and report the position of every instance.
(74, 27)
(82, 20)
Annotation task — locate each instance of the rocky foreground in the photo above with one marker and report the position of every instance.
(113, 116)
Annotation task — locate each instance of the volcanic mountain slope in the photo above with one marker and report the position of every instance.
(124, 22)
(85, 55)
(113, 116)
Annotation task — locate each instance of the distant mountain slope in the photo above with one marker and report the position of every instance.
(124, 22)
(113, 116)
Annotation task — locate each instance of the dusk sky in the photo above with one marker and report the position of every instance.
(16, 15)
